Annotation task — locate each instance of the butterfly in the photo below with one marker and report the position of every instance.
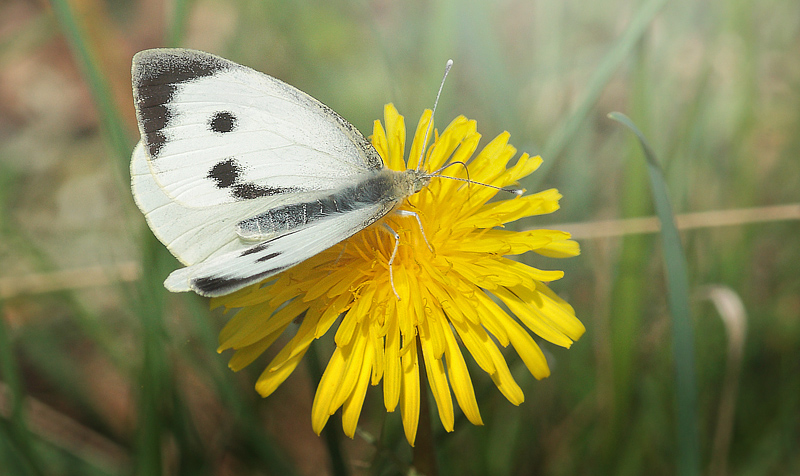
(243, 176)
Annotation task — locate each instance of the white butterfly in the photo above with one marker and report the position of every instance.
(242, 176)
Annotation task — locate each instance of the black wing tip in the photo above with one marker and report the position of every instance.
(160, 66)
(156, 74)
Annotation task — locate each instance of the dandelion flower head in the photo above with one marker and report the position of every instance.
(457, 289)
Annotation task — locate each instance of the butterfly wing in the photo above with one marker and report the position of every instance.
(222, 143)
(234, 270)
(191, 234)
(217, 132)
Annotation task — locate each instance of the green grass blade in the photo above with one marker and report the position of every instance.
(110, 118)
(177, 24)
(623, 47)
(14, 428)
(678, 298)
(155, 385)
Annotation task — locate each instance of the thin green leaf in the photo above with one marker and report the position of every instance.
(110, 118)
(180, 10)
(678, 298)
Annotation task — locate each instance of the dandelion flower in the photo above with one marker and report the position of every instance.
(453, 279)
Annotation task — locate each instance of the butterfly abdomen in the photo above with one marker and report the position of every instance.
(385, 187)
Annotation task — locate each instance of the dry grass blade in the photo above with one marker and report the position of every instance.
(685, 221)
(734, 316)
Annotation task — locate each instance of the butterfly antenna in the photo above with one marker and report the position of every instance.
(430, 123)
(438, 173)
(513, 191)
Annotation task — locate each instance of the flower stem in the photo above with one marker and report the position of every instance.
(424, 447)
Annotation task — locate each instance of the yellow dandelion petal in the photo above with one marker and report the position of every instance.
(409, 393)
(491, 162)
(499, 213)
(526, 313)
(327, 282)
(392, 377)
(561, 248)
(460, 380)
(376, 337)
(548, 309)
(491, 317)
(525, 166)
(320, 409)
(503, 379)
(526, 272)
(299, 343)
(254, 329)
(354, 355)
(245, 356)
(354, 402)
(437, 379)
(446, 286)
(378, 138)
(477, 343)
(396, 134)
(417, 143)
(447, 142)
(271, 378)
(332, 312)
(241, 298)
(242, 324)
(528, 350)
(347, 328)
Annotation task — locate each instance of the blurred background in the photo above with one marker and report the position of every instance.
(105, 373)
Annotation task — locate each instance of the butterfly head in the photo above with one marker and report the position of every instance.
(409, 182)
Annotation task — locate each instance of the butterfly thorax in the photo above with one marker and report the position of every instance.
(405, 183)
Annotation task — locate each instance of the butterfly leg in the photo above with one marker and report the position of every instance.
(409, 213)
(391, 259)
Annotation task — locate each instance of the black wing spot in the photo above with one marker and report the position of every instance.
(254, 249)
(249, 191)
(225, 173)
(268, 257)
(228, 174)
(222, 122)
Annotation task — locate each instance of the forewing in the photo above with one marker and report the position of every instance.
(217, 132)
(234, 270)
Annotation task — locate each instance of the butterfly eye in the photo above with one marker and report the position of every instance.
(222, 122)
